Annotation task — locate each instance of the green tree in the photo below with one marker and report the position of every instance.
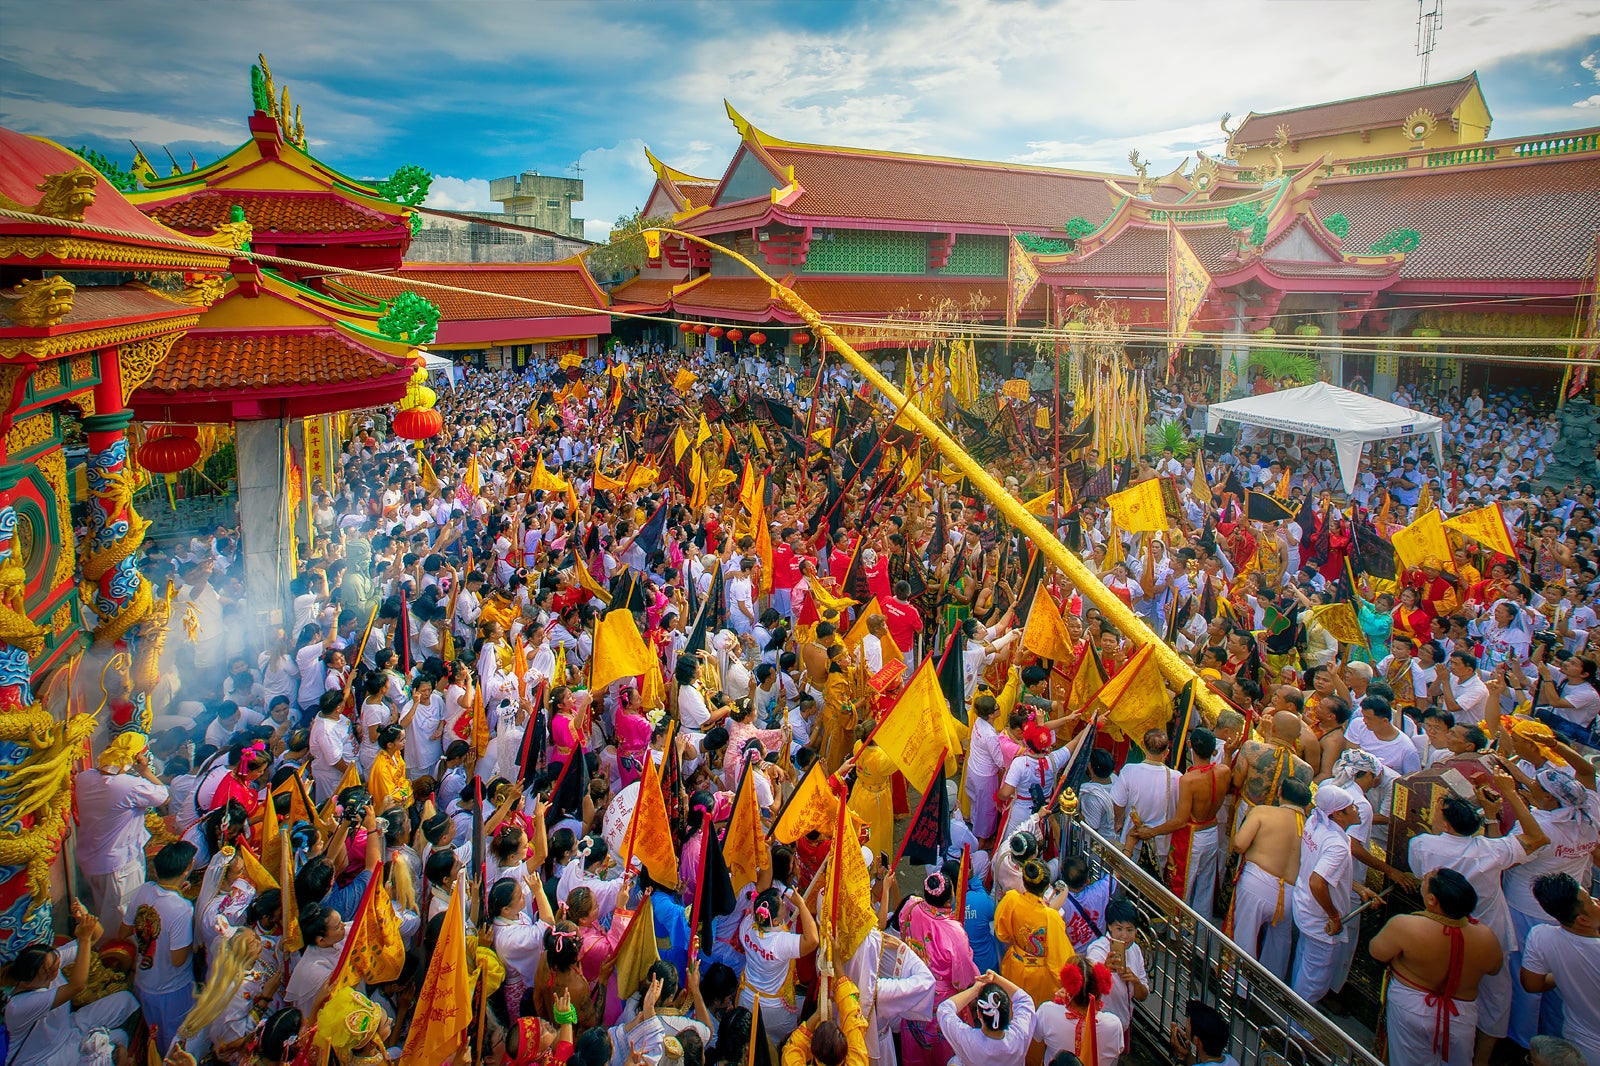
(623, 255)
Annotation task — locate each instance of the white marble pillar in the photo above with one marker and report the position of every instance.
(265, 527)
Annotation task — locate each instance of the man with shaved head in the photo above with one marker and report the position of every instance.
(1261, 766)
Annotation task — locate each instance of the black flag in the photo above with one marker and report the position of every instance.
(1260, 507)
(571, 788)
(952, 675)
(929, 831)
(716, 896)
(652, 536)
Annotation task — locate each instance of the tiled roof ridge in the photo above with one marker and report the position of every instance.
(1410, 89)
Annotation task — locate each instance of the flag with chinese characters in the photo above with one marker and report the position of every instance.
(919, 733)
(1022, 275)
(444, 1006)
(1139, 509)
(1045, 633)
(373, 951)
(811, 809)
(1487, 526)
(1188, 282)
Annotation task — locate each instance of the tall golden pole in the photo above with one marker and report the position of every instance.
(1177, 672)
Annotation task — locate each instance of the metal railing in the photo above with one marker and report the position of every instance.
(1187, 958)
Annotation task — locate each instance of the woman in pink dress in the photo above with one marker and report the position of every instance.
(939, 939)
(741, 728)
(633, 737)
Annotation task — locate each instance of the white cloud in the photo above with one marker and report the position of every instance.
(616, 180)
(71, 123)
(460, 194)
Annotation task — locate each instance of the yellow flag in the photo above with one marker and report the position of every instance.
(1340, 620)
(587, 582)
(1041, 504)
(1425, 500)
(271, 845)
(919, 734)
(1423, 543)
(703, 433)
(376, 952)
(444, 1007)
(1113, 545)
(547, 480)
(470, 480)
(254, 872)
(1046, 631)
(619, 650)
(852, 639)
(1041, 419)
(849, 892)
(814, 808)
(824, 436)
(745, 847)
(1087, 681)
(1487, 526)
(649, 836)
(1136, 699)
(1199, 485)
(652, 250)
(685, 378)
(430, 478)
(638, 950)
(680, 444)
(1139, 509)
(697, 481)
(757, 436)
(643, 476)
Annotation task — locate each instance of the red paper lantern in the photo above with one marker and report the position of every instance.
(716, 331)
(802, 339)
(168, 455)
(735, 335)
(685, 327)
(758, 338)
(418, 424)
(700, 328)
(159, 431)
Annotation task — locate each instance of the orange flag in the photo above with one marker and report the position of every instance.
(919, 733)
(812, 808)
(444, 1007)
(374, 951)
(1046, 632)
(745, 848)
(650, 832)
(1136, 699)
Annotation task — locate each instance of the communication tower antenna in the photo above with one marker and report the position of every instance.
(1430, 19)
(577, 167)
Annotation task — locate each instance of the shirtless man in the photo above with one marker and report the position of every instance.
(814, 657)
(1269, 840)
(1260, 768)
(1419, 949)
(1201, 791)
(1327, 720)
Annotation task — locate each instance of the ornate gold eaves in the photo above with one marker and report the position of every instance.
(66, 249)
(28, 433)
(38, 303)
(92, 339)
(231, 235)
(139, 360)
(66, 195)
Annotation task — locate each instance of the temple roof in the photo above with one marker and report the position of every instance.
(27, 162)
(206, 361)
(750, 299)
(684, 188)
(1357, 113)
(298, 212)
(565, 282)
(643, 292)
(1532, 218)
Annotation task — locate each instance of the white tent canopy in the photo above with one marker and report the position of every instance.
(443, 366)
(1349, 419)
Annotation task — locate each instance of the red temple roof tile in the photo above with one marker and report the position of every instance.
(102, 303)
(1532, 221)
(643, 291)
(273, 212)
(207, 361)
(856, 296)
(566, 282)
(1359, 113)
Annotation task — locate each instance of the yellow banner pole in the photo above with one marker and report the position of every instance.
(1177, 672)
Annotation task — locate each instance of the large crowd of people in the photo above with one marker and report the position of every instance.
(417, 766)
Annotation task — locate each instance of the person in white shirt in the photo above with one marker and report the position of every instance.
(769, 950)
(1461, 691)
(161, 922)
(1121, 954)
(1057, 1025)
(42, 1027)
(321, 956)
(1146, 793)
(333, 746)
(112, 801)
(1459, 845)
(1005, 1016)
(984, 766)
(1322, 890)
(1565, 957)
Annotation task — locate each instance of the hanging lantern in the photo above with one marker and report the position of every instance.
(758, 338)
(685, 327)
(700, 328)
(168, 455)
(418, 423)
(735, 335)
(161, 431)
(802, 339)
(1308, 329)
(716, 331)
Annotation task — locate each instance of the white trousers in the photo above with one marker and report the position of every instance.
(1263, 917)
(1200, 890)
(1314, 964)
(1494, 1003)
(109, 893)
(1413, 1028)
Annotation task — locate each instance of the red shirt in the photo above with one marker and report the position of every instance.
(878, 579)
(785, 567)
(904, 620)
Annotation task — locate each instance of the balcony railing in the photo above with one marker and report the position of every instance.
(1492, 153)
(1187, 958)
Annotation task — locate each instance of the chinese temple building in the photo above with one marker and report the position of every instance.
(1384, 215)
(514, 315)
(275, 353)
(79, 335)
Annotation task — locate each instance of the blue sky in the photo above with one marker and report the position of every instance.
(476, 89)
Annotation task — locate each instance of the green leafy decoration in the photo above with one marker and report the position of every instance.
(258, 89)
(1242, 215)
(416, 223)
(1396, 240)
(1258, 230)
(1079, 227)
(407, 186)
(1041, 245)
(410, 318)
(1337, 225)
(1171, 434)
(1279, 365)
(120, 179)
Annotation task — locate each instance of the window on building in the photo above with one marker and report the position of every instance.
(552, 203)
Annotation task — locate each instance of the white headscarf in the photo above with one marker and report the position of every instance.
(1329, 800)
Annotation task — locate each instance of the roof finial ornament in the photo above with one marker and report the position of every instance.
(1230, 151)
(1141, 168)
